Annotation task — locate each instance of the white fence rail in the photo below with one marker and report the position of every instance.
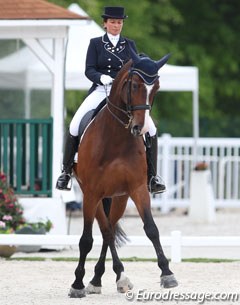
(176, 160)
(176, 241)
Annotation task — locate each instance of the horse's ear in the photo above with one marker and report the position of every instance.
(134, 56)
(163, 60)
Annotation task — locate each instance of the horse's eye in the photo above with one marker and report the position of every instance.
(135, 86)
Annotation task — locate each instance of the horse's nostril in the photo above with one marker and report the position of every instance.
(136, 130)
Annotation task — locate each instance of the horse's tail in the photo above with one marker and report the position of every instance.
(120, 236)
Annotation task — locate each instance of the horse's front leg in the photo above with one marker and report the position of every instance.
(77, 289)
(142, 201)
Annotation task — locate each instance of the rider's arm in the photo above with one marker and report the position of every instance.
(91, 70)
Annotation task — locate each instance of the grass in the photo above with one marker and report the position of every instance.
(33, 258)
(209, 260)
(128, 259)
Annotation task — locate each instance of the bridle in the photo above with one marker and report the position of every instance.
(129, 108)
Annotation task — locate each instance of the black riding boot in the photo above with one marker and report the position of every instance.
(154, 185)
(71, 146)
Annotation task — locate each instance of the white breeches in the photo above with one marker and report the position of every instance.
(91, 102)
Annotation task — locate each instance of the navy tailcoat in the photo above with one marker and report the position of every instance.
(105, 58)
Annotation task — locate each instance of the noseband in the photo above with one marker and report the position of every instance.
(129, 108)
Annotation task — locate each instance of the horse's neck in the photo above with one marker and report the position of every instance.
(115, 99)
(117, 113)
(111, 126)
(115, 110)
(112, 135)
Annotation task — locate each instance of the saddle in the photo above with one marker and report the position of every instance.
(88, 117)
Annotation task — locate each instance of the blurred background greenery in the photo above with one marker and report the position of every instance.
(202, 33)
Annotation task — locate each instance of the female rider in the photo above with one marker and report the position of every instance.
(105, 57)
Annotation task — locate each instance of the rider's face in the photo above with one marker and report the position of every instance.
(113, 26)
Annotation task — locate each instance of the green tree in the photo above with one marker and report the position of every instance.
(197, 33)
(208, 39)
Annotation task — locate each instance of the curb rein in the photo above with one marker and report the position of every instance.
(129, 107)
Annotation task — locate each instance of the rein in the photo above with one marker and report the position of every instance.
(129, 108)
(128, 114)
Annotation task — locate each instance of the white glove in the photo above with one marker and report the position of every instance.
(106, 79)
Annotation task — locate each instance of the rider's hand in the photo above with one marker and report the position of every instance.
(106, 79)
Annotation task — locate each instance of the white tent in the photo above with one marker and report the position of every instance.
(30, 26)
(36, 76)
(77, 44)
(172, 78)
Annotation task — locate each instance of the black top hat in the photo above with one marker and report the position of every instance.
(114, 12)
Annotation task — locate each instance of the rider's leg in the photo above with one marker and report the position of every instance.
(71, 146)
(91, 102)
(154, 185)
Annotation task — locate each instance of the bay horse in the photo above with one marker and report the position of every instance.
(113, 166)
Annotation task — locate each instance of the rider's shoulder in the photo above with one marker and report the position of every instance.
(96, 39)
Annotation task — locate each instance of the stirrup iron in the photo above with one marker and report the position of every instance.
(158, 181)
(64, 185)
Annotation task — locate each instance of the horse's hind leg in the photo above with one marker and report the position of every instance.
(123, 282)
(95, 285)
(117, 209)
(142, 201)
(85, 245)
(108, 232)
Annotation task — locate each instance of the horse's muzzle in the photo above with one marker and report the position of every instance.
(136, 130)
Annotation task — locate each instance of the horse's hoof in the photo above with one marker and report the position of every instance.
(77, 293)
(91, 289)
(168, 281)
(124, 284)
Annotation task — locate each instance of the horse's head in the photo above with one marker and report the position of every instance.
(140, 82)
